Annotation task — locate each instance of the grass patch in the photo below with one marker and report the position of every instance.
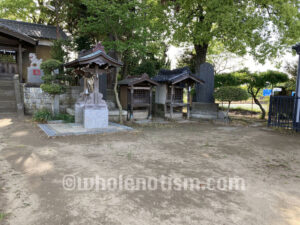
(2, 216)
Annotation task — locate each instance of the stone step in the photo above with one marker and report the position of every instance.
(6, 77)
(9, 112)
(7, 92)
(6, 83)
(7, 98)
(8, 106)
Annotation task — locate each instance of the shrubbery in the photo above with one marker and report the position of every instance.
(230, 94)
(44, 115)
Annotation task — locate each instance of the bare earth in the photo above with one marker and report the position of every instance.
(32, 168)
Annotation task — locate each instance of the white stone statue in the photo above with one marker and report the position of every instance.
(35, 62)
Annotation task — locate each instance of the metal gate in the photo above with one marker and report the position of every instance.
(282, 112)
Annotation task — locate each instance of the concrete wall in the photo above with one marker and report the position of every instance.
(34, 99)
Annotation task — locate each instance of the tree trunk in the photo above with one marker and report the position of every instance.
(124, 73)
(201, 52)
(118, 100)
(55, 105)
(263, 111)
(227, 113)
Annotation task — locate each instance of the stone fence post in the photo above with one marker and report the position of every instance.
(19, 102)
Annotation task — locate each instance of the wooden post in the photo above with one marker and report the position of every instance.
(96, 85)
(150, 103)
(188, 102)
(131, 103)
(172, 99)
(20, 63)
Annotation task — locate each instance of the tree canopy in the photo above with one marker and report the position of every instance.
(259, 27)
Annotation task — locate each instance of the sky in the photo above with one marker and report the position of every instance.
(175, 52)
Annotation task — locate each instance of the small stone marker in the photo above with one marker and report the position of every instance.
(205, 93)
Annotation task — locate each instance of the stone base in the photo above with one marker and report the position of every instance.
(205, 110)
(95, 117)
(79, 113)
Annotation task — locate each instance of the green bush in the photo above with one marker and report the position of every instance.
(231, 93)
(42, 116)
(49, 65)
(53, 89)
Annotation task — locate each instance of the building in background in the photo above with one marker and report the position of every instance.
(23, 46)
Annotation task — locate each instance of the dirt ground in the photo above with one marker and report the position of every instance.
(32, 169)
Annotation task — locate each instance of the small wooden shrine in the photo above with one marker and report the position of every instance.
(170, 91)
(136, 93)
(90, 108)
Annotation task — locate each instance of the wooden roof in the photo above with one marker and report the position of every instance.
(176, 76)
(98, 57)
(131, 81)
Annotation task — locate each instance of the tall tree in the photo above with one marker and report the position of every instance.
(127, 27)
(27, 10)
(259, 27)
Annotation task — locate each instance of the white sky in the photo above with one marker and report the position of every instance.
(175, 52)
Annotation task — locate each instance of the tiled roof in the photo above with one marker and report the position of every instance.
(38, 31)
(137, 80)
(98, 57)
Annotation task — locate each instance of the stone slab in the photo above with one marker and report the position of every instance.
(204, 107)
(205, 110)
(35, 75)
(95, 117)
(70, 129)
(204, 93)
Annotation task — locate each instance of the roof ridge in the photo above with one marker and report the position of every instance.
(29, 23)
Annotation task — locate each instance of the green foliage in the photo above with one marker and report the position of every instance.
(42, 116)
(2, 216)
(65, 117)
(53, 89)
(228, 79)
(274, 77)
(257, 81)
(231, 93)
(50, 65)
(52, 82)
(58, 50)
(132, 30)
(241, 26)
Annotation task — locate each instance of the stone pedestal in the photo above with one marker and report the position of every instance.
(205, 110)
(79, 113)
(95, 117)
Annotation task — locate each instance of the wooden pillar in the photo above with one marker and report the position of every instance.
(150, 103)
(96, 85)
(172, 101)
(20, 62)
(131, 102)
(188, 101)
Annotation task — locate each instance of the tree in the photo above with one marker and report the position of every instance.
(52, 82)
(257, 81)
(292, 69)
(129, 29)
(230, 94)
(247, 26)
(228, 79)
